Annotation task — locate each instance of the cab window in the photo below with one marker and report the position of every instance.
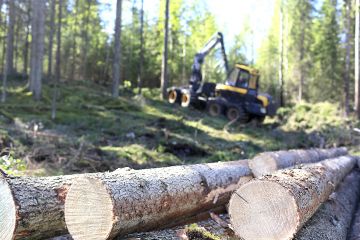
(243, 79)
(233, 77)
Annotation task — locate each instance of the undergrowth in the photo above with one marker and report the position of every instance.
(94, 132)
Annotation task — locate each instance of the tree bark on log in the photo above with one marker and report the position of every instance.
(118, 203)
(32, 208)
(276, 206)
(269, 162)
(354, 233)
(333, 219)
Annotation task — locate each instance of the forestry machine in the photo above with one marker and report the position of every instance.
(237, 98)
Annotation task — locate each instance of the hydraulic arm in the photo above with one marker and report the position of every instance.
(196, 75)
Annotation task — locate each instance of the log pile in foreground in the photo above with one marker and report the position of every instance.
(269, 162)
(276, 206)
(333, 218)
(114, 204)
(32, 208)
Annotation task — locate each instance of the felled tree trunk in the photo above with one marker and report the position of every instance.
(269, 162)
(276, 206)
(332, 220)
(123, 202)
(32, 208)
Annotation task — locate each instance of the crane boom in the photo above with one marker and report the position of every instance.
(196, 75)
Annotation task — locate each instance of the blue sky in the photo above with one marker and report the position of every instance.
(230, 15)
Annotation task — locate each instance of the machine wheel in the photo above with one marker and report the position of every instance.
(185, 99)
(174, 96)
(233, 113)
(214, 108)
(237, 113)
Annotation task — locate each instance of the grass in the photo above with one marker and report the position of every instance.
(95, 132)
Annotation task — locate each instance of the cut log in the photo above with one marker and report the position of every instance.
(354, 233)
(269, 162)
(115, 203)
(276, 206)
(32, 208)
(332, 220)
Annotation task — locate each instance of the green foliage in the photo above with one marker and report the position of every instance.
(12, 166)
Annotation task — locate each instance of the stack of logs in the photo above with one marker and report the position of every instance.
(296, 194)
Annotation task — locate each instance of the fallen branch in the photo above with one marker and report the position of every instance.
(276, 206)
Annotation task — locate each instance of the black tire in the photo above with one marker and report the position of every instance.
(214, 108)
(185, 99)
(239, 113)
(174, 96)
(233, 113)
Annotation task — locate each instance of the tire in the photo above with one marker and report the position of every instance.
(233, 113)
(214, 108)
(239, 113)
(185, 99)
(174, 96)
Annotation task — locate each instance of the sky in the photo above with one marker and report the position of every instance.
(230, 16)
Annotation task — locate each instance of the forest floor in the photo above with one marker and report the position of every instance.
(95, 132)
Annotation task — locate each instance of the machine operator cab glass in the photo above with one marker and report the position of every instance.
(243, 77)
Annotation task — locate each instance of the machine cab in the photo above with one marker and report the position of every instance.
(243, 77)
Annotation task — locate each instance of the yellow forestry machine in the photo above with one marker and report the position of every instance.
(237, 98)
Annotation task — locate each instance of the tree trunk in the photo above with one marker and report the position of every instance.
(10, 38)
(164, 65)
(26, 40)
(32, 208)
(58, 62)
(74, 34)
(51, 37)
(123, 202)
(333, 218)
(281, 57)
(117, 51)
(37, 46)
(301, 60)
(357, 76)
(354, 232)
(347, 58)
(8, 68)
(140, 74)
(269, 162)
(86, 40)
(276, 206)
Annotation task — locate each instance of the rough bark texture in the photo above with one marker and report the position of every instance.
(34, 208)
(276, 206)
(332, 220)
(58, 62)
(347, 57)
(117, 51)
(164, 64)
(354, 233)
(37, 46)
(128, 201)
(9, 67)
(51, 37)
(269, 162)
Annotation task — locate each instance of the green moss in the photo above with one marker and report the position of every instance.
(194, 232)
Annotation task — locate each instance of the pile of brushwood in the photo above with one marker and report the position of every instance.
(294, 194)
